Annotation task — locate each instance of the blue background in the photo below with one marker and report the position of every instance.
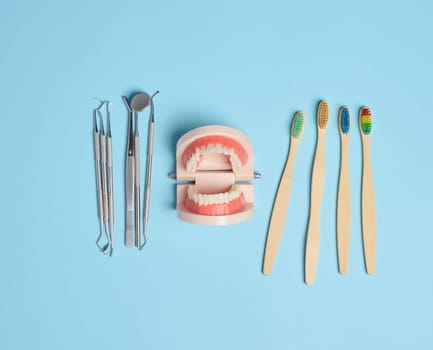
(250, 65)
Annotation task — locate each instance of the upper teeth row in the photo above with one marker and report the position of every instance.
(192, 163)
(218, 198)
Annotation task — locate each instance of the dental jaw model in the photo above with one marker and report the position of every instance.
(216, 162)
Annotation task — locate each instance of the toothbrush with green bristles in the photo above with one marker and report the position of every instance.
(281, 204)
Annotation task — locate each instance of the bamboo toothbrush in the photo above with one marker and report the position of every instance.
(317, 182)
(281, 204)
(343, 201)
(367, 196)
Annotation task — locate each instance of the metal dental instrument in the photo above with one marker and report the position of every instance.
(104, 181)
(110, 179)
(129, 190)
(148, 169)
(97, 151)
(173, 176)
(96, 148)
(138, 103)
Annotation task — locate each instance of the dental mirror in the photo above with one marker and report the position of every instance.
(140, 101)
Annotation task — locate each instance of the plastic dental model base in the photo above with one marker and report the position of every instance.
(215, 164)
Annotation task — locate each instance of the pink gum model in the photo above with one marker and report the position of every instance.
(215, 158)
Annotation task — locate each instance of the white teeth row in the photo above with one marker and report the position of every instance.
(192, 163)
(218, 198)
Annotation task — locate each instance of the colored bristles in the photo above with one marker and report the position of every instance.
(298, 125)
(345, 120)
(365, 119)
(322, 114)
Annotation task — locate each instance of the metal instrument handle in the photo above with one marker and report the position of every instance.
(129, 233)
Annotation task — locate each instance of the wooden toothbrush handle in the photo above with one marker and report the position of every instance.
(343, 210)
(313, 233)
(368, 210)
(279, 212)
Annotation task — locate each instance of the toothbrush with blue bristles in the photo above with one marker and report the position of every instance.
(343, 201)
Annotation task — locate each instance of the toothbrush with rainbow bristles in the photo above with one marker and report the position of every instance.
(367, 196)
(281, 204)
(317, 183)
(343, 201)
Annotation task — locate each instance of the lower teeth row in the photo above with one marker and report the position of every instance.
(218, 198)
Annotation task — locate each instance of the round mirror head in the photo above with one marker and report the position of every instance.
(140, 101)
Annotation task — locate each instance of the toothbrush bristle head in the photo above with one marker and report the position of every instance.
(323, 114)
(298, 125)
(345, 120)
(365, 120)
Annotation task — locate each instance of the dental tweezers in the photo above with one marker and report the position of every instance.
(130, 179)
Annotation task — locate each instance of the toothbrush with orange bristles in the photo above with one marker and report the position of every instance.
(317, 183)
(343, 201)
(367, 196)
